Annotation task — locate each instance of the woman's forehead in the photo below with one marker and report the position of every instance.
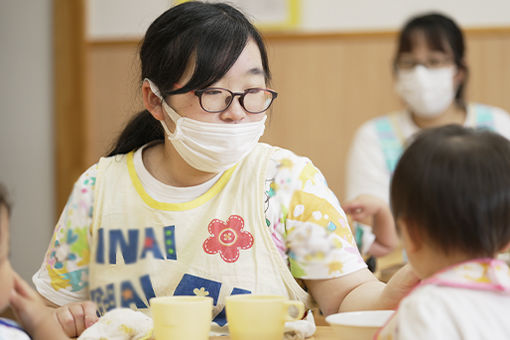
(249, 61)
(248, 64)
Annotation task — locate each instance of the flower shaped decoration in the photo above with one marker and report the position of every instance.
(227, 238)
(200, 292)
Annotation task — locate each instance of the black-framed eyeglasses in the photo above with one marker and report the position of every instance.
(217, 99)
(432, 63)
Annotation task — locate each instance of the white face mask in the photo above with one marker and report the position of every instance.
(210, 147)
(427, 92)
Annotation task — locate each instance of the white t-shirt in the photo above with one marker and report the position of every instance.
(379, 142)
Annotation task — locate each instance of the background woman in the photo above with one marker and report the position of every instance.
(430, 75)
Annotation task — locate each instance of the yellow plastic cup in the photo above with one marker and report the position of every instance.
(255, 317)
(181, 317)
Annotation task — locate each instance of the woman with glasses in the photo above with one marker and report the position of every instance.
(189, 202)
(430, 75)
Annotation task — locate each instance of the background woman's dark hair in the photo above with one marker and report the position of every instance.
(452, 187)
(211, 34)
(442, 34)
(4, 199)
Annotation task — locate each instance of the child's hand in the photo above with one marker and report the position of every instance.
(76, 317)
(363, 207)
(400, 284)
(374, 211)
(36, 318)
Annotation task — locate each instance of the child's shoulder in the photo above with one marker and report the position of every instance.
(9, 329)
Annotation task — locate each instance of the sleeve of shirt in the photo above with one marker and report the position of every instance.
(366, 170)
(10, 330)
(63, 275)
(308, 223)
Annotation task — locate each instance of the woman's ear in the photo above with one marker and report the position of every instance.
(151, 101)
(460, 76)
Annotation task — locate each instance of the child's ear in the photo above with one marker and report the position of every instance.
(410, 236)
(505, 248)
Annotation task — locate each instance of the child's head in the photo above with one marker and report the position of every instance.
(451, 187)
(6, 273)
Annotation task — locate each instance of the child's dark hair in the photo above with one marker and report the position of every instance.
(452, 188)
(4, 199)
(442, 34)
(211, 34)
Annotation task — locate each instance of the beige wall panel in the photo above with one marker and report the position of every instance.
(328, 87)
(489, 60)
(113, 95)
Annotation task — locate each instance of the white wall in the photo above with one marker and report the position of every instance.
(109, 19)
(26, 123)
(122, 18)
(334, 15)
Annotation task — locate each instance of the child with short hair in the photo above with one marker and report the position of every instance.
(37, 319)
(450, 197)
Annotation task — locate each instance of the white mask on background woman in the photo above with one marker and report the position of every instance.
(428, 92)
(210, 147)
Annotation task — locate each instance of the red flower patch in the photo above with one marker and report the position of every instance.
(227, 238)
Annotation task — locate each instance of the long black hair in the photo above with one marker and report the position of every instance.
(442, 34)
(211, 34)
(452, 188)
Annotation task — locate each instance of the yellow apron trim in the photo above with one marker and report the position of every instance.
(213, 191)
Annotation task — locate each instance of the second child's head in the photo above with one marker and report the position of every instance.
(451, 192)
(6, 273)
